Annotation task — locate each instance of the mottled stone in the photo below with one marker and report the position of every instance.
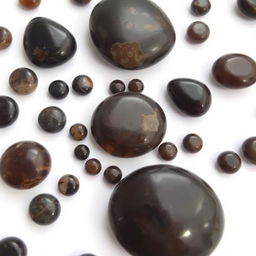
(47, 43)
(78, 131)
(58, 89)
(249, 149)
(192, 143)
(82, 152)
(93, 166)
(167, 151)
(12, 246)
(128, 124)
(9, 111)
(25, 164)
(200, 7)
(68, 185)
(229, 162)
(165, 210)
(137, 36)
(117, 86)
(136, 85)
(247, 7)
(113, 174)
(198, 32)
(82, 85)
(5, 38)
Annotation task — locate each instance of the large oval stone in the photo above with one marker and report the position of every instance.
(165, 210)
(128, 124)
(47, 43)
(190, 96)
(131, 34)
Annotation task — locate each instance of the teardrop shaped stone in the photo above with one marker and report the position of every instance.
(47, 43)
(190, 96)
(163, 210)
(131, 34)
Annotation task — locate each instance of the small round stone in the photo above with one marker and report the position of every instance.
(30, 4)
(136, 85)
(93, 166)
(23, 81)
(249, 149)
(200, 7)
(44, 209)
(12, 246)
(82, 152)
(81, 2)
(5, 38)
(82, 85)
(198, 32)
(167, 151)
(68, 185)
(78, 131)
(247, 7)
(52, 119)
(229, 162)
(113, 174)
(9, 111)
(58, 89)
(193, 143)
(117, 86)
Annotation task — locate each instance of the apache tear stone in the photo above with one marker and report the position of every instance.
(131, 34)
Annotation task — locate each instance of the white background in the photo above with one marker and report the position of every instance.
(83, 224)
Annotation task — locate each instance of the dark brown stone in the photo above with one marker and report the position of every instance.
(247, 7)
(82, 152)
(128, 124)
(200, 7)
(168, 151)
(198, 32)
(12, 246)
(9, 111)
(82, 85)
(113, 174)
(235, 71)
(249, 149)
(192, 143)
(229, 162)
(93, 166)
(25, 164)
(78, 132)
(68, 185)
(81, 2)
(5, 38)
(117, 86)
(136, 85)
(30, 4)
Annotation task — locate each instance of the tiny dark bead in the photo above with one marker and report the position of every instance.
(167, 151)
(249, 149)
(78, 131)
(82, 85)
(200, 7)
(229, 162)
(117, 86)
(198, 32)
(58, 89)
(30, 4)
(44, 209)
(247, 7)
(113, 174)
(136, 85)
(5, 38)
(12, 246)
(81, 2)
(9, 111)
(68, 185)
(82, 152)
(193, 143)
(93, 166)
(52, 119)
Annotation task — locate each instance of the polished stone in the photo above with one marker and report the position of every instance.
(235, 71)
(190, 96)
(82, 152)
(5, 38)
(200, 7)
(58, 89)
(247, 7)
(165, 210)
(229, 162)
(12, 246)
(113, 174)
(9, 111)
(128, 124)
(192, 143)
(198, 32)
(249, 149)
(117, 86)
(25, 164)
(167, 151)
(68, 185)
(131, 34)
(47, 43)
(82, 85)
(30, 4)
(93, 166)
(78, 132)
(136, 85)
(44, 209)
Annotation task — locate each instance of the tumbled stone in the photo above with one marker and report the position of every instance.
(5, 38)
(247, 7)
(12, 246)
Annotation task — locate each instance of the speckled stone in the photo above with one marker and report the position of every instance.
(9, 111)
(68, 185)
(12, 246)
(5, 38)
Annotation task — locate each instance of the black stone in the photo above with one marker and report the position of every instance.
(165, 210)
(190, 96)
(12, 246)
(82, 152)
(47, 43)
(9, 111)
(58, 89)
(131, 34)
(247, 7)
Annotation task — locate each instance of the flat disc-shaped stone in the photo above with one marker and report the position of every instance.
(128, 124)
(165, 210)
(131, 34)
(47, 43)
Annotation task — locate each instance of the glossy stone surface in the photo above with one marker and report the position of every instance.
(68, 185)
(23, 81)
(198, 32)
(137, 36)
(30, 4)
(128, 124)
(247, 7)
(82, 85)
(12, 246)
(9, 111)
(229, 162)
(113, 174)
(165, 210)
(200, 7)
(190, 96)
(82, 2)
(167, 151)
(47, 43)
(117, 86)
(25, 164)
(52, 119)
(58, 89)
(235, 71)
(82, 152)
(136, 85)
(249, 149)
(93, 166)
(78, 131)
(5, 38)
(193, 143)
(44, 209)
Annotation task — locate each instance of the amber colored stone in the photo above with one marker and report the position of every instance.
(30, 4)
(136, 85)
(229, 162)
(117, 86)
(93, 166)
(193, 143)
(5, 38)
(82, 152)
(113, 174)
(249, 149)
(81, 2)
(247, 7)
(128, 124)
(200, 7)
(168, 151)
(25, 164)
(198, 32)
(12, 246)
(164, 210)
(68, 185)
(23, 81)
(235, 71)
(82, 85)
(9, 111)
(78, 131)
